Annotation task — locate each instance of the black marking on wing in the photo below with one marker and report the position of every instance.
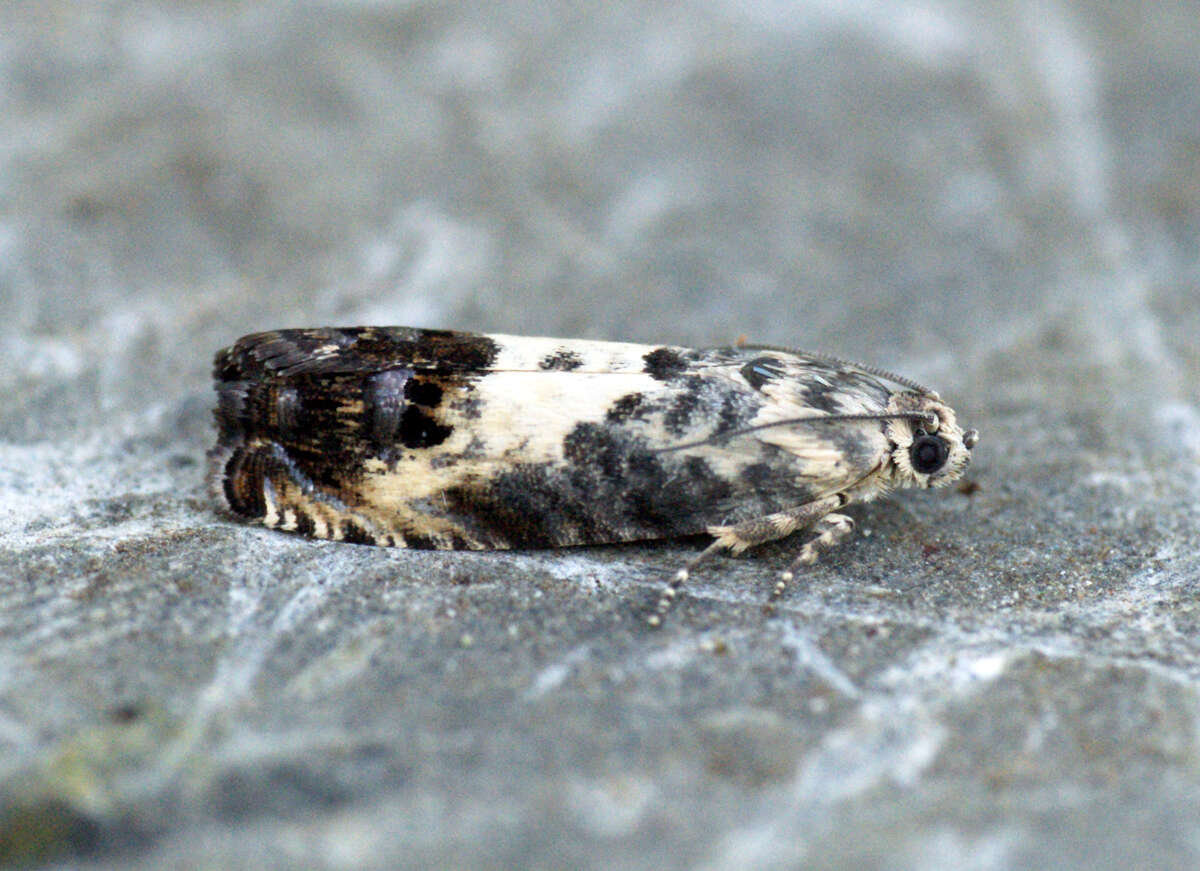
(760, 370)
(355, 534)
(732, 415)
(611, 488)
(688, 404)
(400, 405)
(304, 523)
(561, 360)
(605, 491)
(662, 364)
(419, 430)
(425, 542)
(819, 385)
(424, 392)
(632, 406)
(822, 394)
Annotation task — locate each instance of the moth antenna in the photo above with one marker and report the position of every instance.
(927, 417)
(842, 361)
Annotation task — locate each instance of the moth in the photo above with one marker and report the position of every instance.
(420, 438)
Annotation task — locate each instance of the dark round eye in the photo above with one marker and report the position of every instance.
(928, 454)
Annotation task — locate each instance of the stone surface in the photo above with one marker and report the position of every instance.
(997, 198)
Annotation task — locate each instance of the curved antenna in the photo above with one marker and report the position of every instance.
(841, 361)
(927, 417)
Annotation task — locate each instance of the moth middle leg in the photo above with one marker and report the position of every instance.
(759, 530)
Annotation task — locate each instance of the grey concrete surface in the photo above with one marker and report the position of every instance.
(998, 198)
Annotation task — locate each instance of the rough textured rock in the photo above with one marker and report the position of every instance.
(997, 198)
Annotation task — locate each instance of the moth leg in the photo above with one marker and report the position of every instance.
(748, 533)
(671, 590)
(769, 527)
(831, 529)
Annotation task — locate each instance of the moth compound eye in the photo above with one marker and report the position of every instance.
(928, 454)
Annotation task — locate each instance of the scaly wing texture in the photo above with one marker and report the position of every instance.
(420, 438)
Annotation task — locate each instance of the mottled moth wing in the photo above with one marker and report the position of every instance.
(423, 438)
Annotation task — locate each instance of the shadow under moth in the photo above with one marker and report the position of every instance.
(436, 439)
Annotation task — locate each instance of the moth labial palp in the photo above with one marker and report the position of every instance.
(418, 438)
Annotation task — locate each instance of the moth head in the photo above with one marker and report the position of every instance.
(931, 450)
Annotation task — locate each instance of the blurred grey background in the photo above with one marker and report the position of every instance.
(996, 198)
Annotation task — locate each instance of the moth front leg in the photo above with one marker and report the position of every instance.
(832, 528)
(748, 533)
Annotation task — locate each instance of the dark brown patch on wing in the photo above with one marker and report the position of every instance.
(312, 406)
(332, 350)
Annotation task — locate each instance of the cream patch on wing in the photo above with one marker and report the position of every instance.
(521, 354)
(521, 418)
(820, 448)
